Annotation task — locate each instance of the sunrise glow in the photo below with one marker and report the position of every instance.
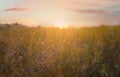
(60, 23)
(60, 12)
(59, 38)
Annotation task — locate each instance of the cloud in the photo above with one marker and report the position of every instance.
(16, 10)
(89, 11)
(96, 11)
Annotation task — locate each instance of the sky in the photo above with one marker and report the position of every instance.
(60, 12)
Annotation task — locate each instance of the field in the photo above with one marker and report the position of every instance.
(54, 52)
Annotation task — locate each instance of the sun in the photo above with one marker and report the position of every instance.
(61, 27)
(61, 24)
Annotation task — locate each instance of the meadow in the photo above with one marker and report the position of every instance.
(54, 52)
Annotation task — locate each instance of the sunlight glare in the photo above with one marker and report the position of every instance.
(61, 25)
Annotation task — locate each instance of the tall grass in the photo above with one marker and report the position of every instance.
(53, 52)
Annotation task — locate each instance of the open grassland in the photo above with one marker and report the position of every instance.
(53, 52)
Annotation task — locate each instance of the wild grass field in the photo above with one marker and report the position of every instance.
(54, 52)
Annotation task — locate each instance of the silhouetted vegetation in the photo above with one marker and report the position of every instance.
(54, 52)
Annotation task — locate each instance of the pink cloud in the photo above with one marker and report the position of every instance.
(89, 11)
(16, 10)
